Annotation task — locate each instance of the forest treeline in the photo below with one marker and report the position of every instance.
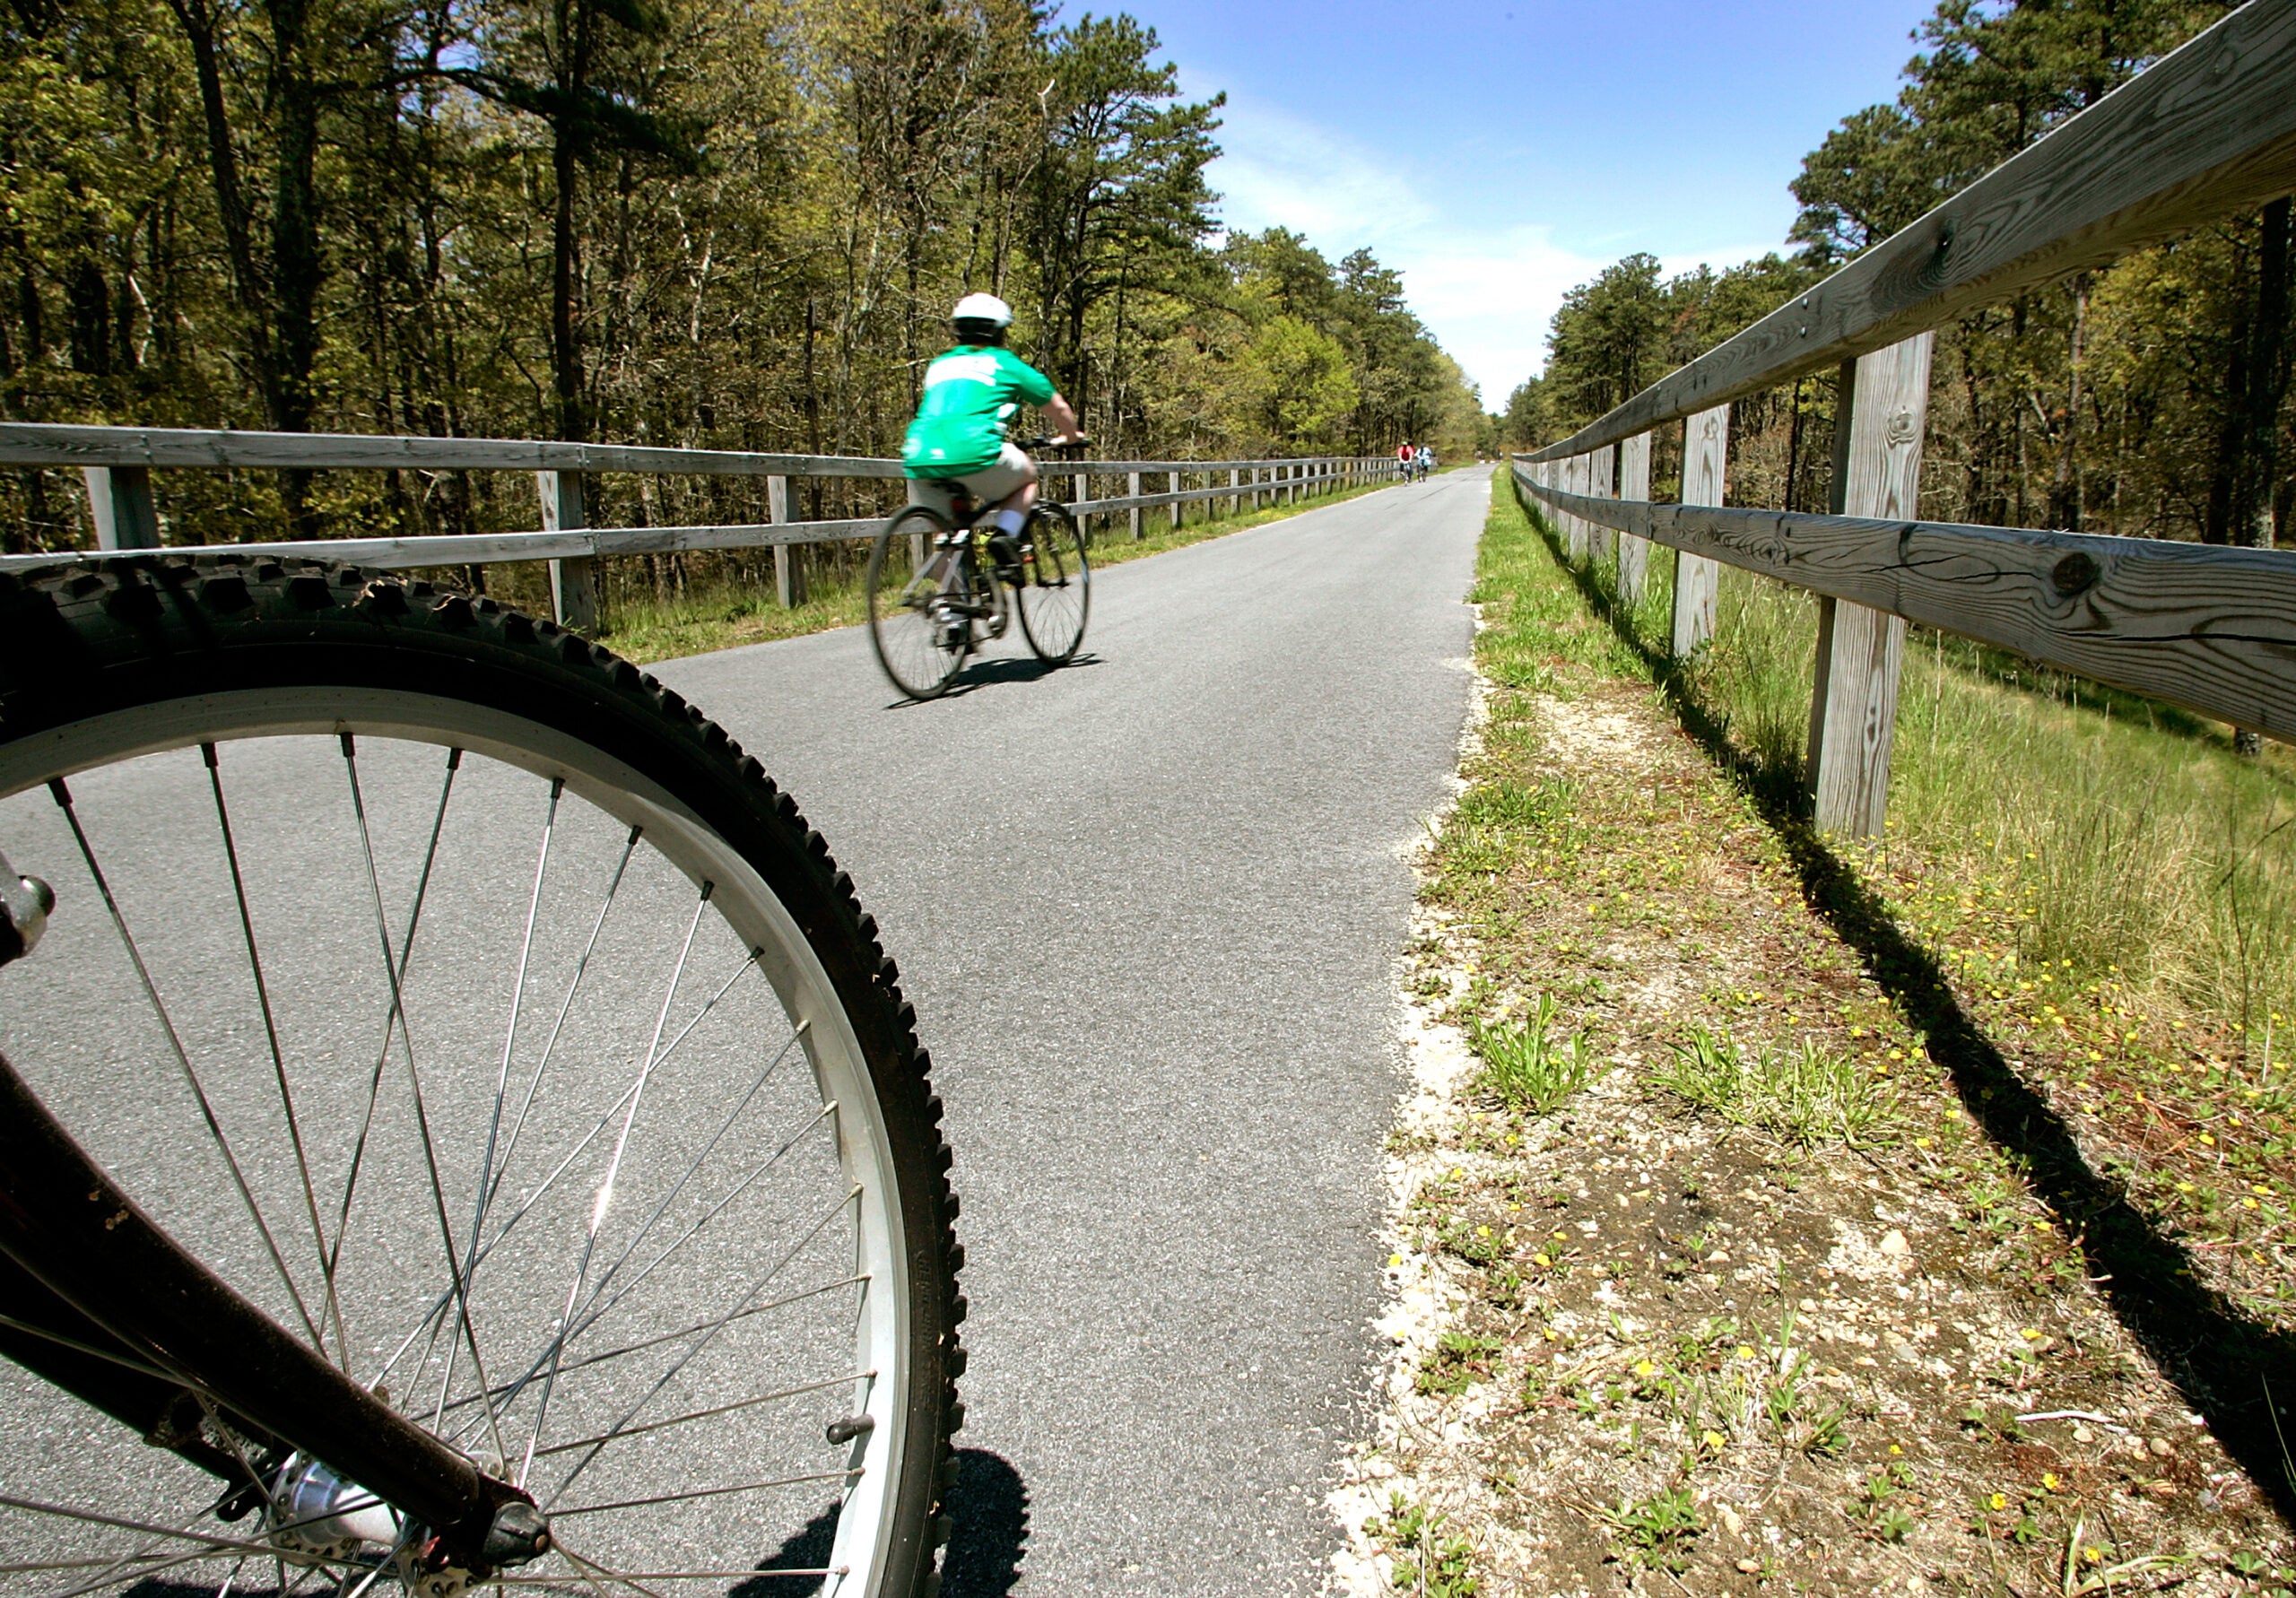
(725, 223)
(2146, 398)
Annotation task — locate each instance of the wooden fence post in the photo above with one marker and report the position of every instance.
(1572, 537)
(1083, 519)
(1633, 483)
(1582, 474)
(573, 584)
(789, 560)
(119, 503)
(1172, 485)
(1706, 449)
(1132, 488)
(1601, 468)
(1877, 473)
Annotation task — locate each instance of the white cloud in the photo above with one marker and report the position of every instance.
(1486, 289)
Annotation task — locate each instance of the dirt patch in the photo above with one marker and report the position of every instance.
(1750, 1303)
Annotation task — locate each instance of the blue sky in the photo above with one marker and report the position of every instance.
(1498, 152)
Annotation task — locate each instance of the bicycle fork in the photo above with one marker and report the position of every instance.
(97, 1298)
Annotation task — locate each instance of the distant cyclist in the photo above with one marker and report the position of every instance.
(1406, 459)
(1426, 461)
(959, 435)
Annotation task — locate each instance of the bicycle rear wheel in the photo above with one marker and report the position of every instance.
(1056, 590)
(919, 624)
(476, 1009)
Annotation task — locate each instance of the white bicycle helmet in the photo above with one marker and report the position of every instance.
(982, 319)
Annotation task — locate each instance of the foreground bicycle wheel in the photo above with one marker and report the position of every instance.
(472, 1006)
(1056, 590)
(917, 589)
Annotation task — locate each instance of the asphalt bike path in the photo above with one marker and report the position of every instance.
(1148, 908)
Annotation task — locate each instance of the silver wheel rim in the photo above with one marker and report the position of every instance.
(1055, 599)
(697, 1187)
(920, 646)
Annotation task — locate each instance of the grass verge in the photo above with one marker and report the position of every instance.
(1819, 1278)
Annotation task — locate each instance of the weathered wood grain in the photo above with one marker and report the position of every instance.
(1633, 483)
(120, 504)
(46, 444)
(2207, 131)
(789, 569)
(1861, 650)
(573, 586)
(398, 554)
(2210, 628)
(1602, 478)
(395, 554)
(1706, 452)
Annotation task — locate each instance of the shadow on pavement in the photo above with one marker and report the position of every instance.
(989, 1509)
(990, 1506)
(1003, 668)
(2233, 1370)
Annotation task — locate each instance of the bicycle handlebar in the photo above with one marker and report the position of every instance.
(1044, 441)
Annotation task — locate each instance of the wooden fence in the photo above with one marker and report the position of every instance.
(2207, 132)
(118, 463)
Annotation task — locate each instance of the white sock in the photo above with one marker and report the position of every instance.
(1010, 521)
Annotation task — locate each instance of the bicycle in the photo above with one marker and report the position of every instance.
(456, 1125)
(935, 595)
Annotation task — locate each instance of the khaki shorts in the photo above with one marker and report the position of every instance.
(996, 480)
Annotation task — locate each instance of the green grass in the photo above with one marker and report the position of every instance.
(1801, 1094)
(724, 613)
(1524, 1066)
(2085, 825)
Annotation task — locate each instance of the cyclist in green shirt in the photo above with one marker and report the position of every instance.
(970, 394)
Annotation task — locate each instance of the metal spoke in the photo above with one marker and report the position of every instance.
(138, 1365)
(271, 1041)
(704, 1493)
(592, 1316)
(604, 1355)
(62, 796)
(723, 1408)
(613, 1169)
(593, 1311)
(749, 1575)
(709, 1336)
(414, 1084)
(391, 1017)
(511, 1031)
(694, 1165)
(605, 1119)
(565, 1007)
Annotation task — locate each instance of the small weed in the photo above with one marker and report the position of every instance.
(1804, 1096)
(1527, 1068)
(1875, 1507)
(1427, 1564)
(1658, 1531)
(1458, 1361)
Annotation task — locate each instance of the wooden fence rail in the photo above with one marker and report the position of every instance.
(2207, 627)
(117, 464)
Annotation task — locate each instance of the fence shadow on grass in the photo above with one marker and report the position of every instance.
(2231, 1369)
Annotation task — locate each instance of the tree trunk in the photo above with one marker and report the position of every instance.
(566, 130)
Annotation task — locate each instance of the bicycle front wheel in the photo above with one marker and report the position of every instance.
(477, 1011)
(1056, 589)
(919, 622)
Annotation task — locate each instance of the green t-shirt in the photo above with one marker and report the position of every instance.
(969, 394)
